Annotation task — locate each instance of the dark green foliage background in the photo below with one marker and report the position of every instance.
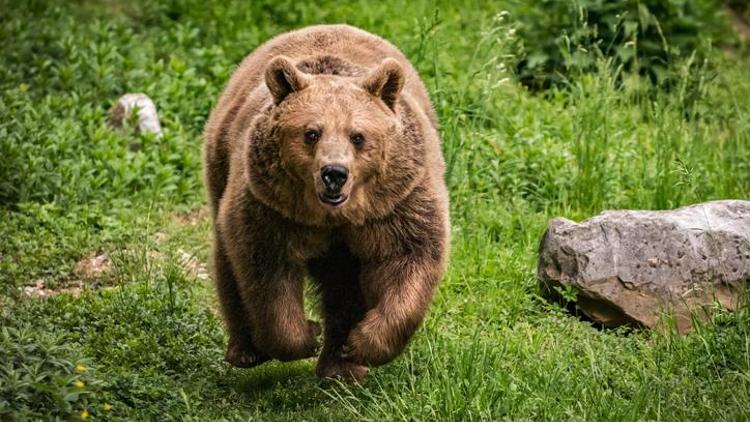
(644, 36)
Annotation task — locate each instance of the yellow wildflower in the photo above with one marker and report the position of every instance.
(85, 414)
(79, 383)
(80, 368)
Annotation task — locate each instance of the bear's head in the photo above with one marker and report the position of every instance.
(334, 148)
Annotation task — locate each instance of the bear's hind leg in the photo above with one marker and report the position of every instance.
(337, 274)
(240, 350)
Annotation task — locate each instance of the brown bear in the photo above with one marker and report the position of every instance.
(322, 158)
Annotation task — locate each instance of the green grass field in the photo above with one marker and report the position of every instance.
(142, 340)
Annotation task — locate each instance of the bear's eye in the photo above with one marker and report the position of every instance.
(357, 139)
(312, 136)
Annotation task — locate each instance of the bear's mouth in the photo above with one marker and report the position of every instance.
(333, 199)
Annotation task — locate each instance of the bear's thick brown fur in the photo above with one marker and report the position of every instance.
(322, 158)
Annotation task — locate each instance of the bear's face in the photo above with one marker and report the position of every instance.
(332, 135)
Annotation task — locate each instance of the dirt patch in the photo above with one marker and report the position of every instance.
(192, 265)
(96, 268)
(40, 290)
(191, 218)
(93, 266)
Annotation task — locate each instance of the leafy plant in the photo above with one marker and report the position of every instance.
(42, 376)
(645, 37)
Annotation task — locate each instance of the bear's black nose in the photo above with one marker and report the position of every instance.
(334, 177)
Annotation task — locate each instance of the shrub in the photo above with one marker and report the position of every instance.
(643, 36)
(39, 376)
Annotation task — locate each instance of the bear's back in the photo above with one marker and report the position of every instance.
(345, 42)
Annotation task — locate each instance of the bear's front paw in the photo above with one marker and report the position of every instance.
(368, 343)
(243, 356)
(339, 369)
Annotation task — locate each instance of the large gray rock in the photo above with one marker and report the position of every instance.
(635, 267)
(148, 118)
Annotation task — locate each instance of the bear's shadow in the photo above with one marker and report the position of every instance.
(288, 386)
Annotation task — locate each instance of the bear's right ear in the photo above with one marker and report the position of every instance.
(282, 78)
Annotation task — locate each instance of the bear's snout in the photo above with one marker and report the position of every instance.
(334, 177)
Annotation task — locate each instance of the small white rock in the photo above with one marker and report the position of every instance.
(148, 118)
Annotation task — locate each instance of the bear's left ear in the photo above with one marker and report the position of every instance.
(386, 82)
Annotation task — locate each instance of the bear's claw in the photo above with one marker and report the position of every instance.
(242, 357)
(346, 351)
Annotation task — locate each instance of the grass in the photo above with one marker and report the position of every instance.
(143, 341)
